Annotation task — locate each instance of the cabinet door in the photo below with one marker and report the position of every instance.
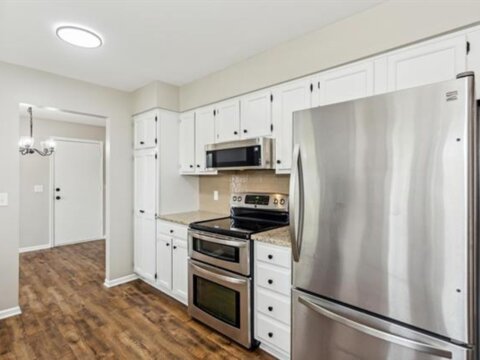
(145, 170)
(204, 135)
(287, 98)
(144, 246)
(186, 142)
(227, 120)
(164, 261)
(256, 114)
(145, 130)
(473, 58)
(346, 83)
(427, 63)
(180, 269)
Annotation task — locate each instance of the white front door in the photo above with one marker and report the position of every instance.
(77, 191)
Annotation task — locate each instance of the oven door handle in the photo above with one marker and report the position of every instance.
(237, 243)
(211, 274)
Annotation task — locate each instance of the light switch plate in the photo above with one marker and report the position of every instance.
(3, 199)
(215, 195)
(38, 188)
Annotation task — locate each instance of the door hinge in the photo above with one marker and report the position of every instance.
(468, 47)
(156, 156)
(214, 112)
(271, 97)
(311, 87)
(155, 140)
(156, 119)
(318, 85)
(271, 127)
(156, 276)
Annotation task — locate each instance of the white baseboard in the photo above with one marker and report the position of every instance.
(121, 280)
(34, 248)
(10, 312)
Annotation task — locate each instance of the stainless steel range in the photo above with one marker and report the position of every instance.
(220, 265)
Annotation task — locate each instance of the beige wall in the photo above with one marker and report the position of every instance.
(35, 170)
(381, 28)
(229, 182)
(23, 85)
(155, 95)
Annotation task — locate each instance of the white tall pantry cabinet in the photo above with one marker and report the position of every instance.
(159, 189)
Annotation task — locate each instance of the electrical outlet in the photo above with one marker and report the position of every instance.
(3, 199)
(215, 195)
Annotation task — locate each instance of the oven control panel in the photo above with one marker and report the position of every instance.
(268, 201)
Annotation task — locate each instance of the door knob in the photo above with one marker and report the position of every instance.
(57, 197)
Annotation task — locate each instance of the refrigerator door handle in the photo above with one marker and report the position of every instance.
(297, 172)
(414, 345)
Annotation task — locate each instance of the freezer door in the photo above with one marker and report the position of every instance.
(325, 330)
(383, 214)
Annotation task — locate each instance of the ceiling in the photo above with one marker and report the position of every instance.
(49, 113)
(175, 41)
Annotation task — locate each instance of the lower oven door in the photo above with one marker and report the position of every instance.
(221, 300)
(226, 252)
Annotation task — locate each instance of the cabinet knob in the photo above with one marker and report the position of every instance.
(174, 247)
(245, 131)
(167, 244)
(270, 256)
(142, 211)
(141, 142)
(171, 231)
(270, 308)
(57, 189)
(279, 161)
(191, 166)
(270, 281)
(198, 166)
(270, 334)
(235, 133)
(57, 197)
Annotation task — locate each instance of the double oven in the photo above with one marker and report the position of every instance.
(221, 263)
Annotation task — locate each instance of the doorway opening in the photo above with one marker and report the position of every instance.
(62, 195)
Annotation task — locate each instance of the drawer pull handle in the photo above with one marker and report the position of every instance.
(270, 308)
(270, 281)
(270, 256)
(270, 334)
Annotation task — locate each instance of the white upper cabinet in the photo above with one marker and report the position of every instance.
(186, 142)
(287, 98)
(256, 114)
(204, 135)
(426, 63)
(145, 167)
(227, 120)
(473, 57)
(144, 246)
(346, 83)
(145, 130)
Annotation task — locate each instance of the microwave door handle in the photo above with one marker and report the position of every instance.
(297, 173)
(379, 334)
(212, 275)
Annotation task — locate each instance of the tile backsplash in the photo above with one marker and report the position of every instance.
(238, 181)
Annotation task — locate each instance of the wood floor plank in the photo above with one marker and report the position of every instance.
(67, 313)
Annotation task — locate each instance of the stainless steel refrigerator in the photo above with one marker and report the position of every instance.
(384, 226)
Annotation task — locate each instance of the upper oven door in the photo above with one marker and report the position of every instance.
(237, 155)
(222, 251)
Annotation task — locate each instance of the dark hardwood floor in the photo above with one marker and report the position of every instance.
(69, 314)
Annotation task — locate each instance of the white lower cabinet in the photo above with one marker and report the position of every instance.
(272, 291)
(144, 251)
(172, 257)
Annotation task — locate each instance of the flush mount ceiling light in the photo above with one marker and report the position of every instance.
(79, 37)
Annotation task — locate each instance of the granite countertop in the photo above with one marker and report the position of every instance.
(279, 236)
(186, 218)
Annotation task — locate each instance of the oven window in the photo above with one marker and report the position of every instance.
(218, 251)
(217, 300)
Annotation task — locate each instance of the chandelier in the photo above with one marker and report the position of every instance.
(26, 142)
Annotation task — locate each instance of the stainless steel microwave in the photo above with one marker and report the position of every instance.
(241, 155)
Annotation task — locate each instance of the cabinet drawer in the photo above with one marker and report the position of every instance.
(272, 278)
(271, 332)
(274, 305)
(172, 229)
(274, 255)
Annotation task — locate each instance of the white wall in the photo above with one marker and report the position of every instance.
(381, 28)
(157, 94)
(22, 85)
(35, 170)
